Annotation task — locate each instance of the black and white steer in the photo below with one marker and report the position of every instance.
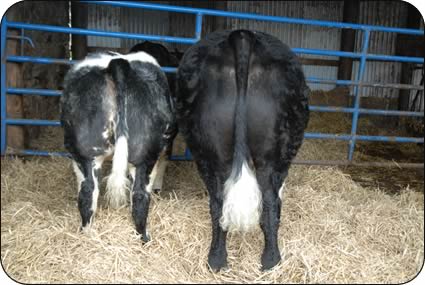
(117, 105)
(242, 105)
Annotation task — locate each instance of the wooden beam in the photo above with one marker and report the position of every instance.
(348, 38)
(79, 18)
(14, 103)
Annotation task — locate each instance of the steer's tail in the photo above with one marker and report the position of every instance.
(242, 196)
(117, 183)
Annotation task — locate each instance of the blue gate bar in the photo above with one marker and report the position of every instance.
(46, 60)
(90, 32)
(365, 111)
(364, 84)
(169, 69)
(295, 161)
(3, 85)
(30, 122)
(250, 16)
(296, 50)
(29, 91)
(326, 52)
(395, 58)
(346, 137)
(187, 156)
(40, 60)
(331, 109)
(41, 153)
(57, 29)
(48, 92)
(389, 139)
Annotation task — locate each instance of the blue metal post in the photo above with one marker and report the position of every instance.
(3, 85)
(187, 154)
(198, 29)
(360, 73)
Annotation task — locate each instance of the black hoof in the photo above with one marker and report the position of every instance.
(217, 263)
(156, 191)
(268, 261)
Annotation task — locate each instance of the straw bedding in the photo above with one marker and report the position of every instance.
(332, 230)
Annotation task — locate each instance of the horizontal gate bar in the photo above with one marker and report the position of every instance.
(30, 122)
(88, 32)
(45, 60)
(92, 32)
(358, 55)
(29, 91)
(366, 111)
(395, 58)
(48, 92)
(364, 84)
(37, 152)
(251, 16)
(41, 60)
(353, 163)
(298, 162)
(344, 137)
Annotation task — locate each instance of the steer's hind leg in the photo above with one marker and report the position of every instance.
(217, 256)
(140, 201)
(87, 172)
(270, 182)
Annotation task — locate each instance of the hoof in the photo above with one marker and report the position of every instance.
(217, 263)
(268, 261)
(146, 238)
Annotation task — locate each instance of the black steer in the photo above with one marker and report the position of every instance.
(242, 107)
(117, 105)
(164, 57)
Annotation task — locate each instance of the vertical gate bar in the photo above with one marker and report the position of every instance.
(198, 28)
(360, 73)
(3, 85)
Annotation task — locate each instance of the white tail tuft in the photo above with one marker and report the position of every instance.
(242, 201)
(118, 185)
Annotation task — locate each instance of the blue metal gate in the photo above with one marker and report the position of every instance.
(355, 110)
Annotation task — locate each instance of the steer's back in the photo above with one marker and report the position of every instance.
(276, 98)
